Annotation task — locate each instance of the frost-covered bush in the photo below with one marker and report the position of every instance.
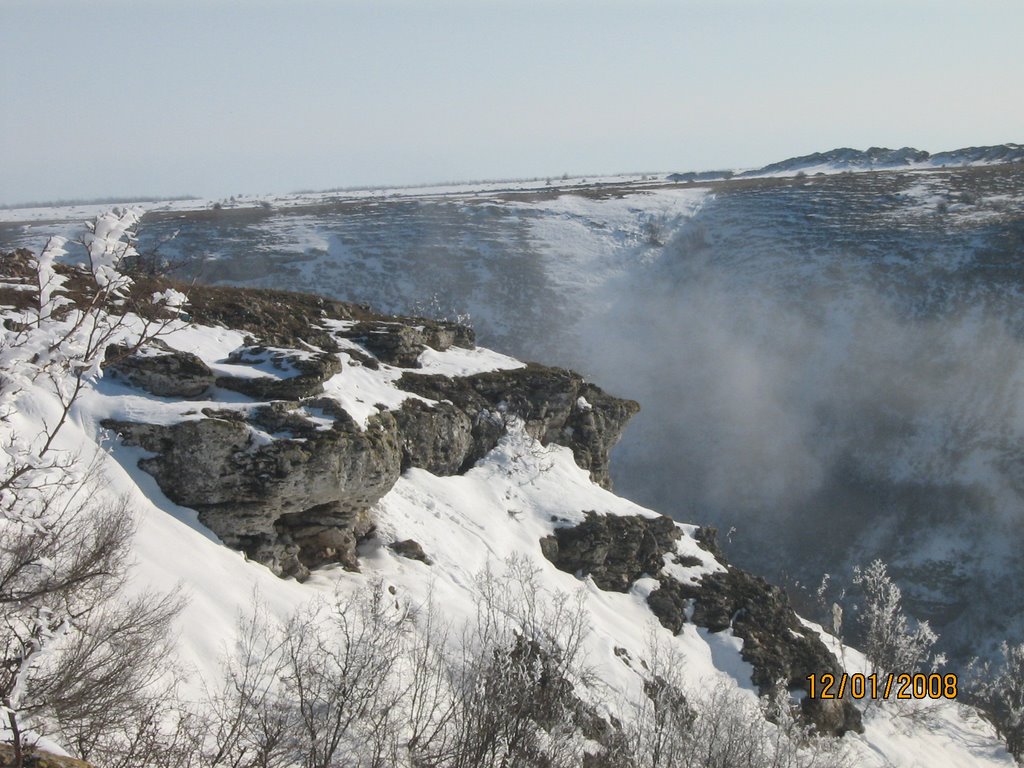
(892, 641)
(307, 691)
(513, 681)
(999, 690)
(384, 685)
(675, 726)
(77, 660)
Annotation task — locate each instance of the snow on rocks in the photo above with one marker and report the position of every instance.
(293, 489)
(312, 481)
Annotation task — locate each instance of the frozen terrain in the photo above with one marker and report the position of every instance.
(485, 518)
(829, 366)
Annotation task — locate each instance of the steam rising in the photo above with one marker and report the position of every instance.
(829, 417)
(832, 366)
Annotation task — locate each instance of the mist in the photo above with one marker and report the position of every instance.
(830, 370)
(822, 418)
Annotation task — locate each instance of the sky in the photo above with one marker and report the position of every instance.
(104, 98)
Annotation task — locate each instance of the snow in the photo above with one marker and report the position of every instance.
(264, 363)
(50, 215)
(359, 389)
(500, 509)
(209, 343)
(457, 361)
(725, 650)
(587, 240)
(949, 735)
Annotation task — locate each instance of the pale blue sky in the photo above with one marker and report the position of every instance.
(215, 97)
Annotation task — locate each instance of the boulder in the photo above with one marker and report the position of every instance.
(556, 406)
(614, 550)
(158, 369)
(411, 549)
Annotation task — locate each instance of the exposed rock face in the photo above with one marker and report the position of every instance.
(295, 501)
(299, 374)
(291, 480)
(438, 438)
(557, 406)
(401, 344)
(775, 643)
(276, 318)
(159, 369)
(616, 550)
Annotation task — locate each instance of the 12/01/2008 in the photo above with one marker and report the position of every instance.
(890, 685)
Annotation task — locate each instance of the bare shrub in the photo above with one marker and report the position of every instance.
(78, 662)
(248, 722)
(717, 727)
(429, 703)
(504, 693)
(520, 661)
(339, 673)
(321, 684)
(77, 659)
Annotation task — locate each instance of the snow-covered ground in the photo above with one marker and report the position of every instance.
(869, 324)
(498, 510)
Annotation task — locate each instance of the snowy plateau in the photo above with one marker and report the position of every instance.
(827, 365)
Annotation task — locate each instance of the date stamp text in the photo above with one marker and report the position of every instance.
(885, 686)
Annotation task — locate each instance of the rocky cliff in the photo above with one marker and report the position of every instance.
(290, 472)
(287, 475)
(617, 550)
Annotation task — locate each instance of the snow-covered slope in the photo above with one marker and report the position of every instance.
(494, 515)
(828, 364)
(815, 355)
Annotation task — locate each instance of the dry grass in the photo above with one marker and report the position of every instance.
(40, 759)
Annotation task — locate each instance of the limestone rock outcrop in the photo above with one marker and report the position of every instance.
(439, 438)
(400, 344)
(614, 550)
(293, 501)
(556, 405)
(298, 374)
(617, 550)
(775, 642)
(291, 478)
(159, 369)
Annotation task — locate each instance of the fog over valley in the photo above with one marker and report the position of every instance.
(829, 367)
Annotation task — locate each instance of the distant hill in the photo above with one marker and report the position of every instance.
(880, 158)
